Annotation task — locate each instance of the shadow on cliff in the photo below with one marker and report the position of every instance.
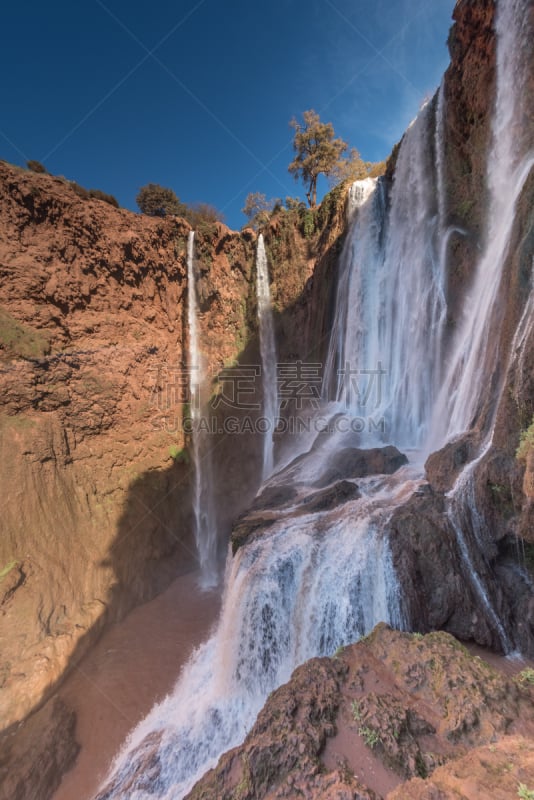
(154, 541)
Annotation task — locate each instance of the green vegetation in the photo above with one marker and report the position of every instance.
(20, 341)
(527, 676)
(370, 737)
(526, 443)
(317, 152)
(4, 572)
(307, 222)
(258, 209)
(91, 194)
(201, 215)
(179, 455)
(464, 208)
(36, 166)
(524, 793)
(158, 201)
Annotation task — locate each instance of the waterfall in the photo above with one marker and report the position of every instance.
(470, 529)
(474, 359)
(316, 582)
(310, 582)
(389, 261)
(365, 224)
(203, 502)
(268, 356)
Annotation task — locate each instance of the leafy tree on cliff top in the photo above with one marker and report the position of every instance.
(258, 209)
(157, 201)
(317, 152)
(354, 168)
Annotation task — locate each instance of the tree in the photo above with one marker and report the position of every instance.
(157, 201)
(354, 168)
(258, 209)
(202, 213)
(317, 152)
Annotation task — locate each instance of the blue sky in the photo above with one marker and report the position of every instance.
(197, 94)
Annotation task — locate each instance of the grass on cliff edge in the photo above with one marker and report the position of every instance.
(7, 569)
(526, 443)
(20, 341)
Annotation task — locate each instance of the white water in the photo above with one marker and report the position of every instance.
(470, 529)
(391, 307)
(203, 503)
(475, 358)
(289, 596)
(476, 362)
(313, 582)
(268, 356)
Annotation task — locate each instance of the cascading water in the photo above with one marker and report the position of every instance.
(476, 363)
(474, 357)
(313, 581)
(268, 356)
(203, 503)
(388, 262)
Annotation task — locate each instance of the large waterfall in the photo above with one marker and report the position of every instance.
(316, 579)
(268, 356)
(203, 503)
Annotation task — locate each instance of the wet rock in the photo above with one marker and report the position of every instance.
(407, 702)
(443, 467)
(351, 462)
(328, 498)
(273, 497)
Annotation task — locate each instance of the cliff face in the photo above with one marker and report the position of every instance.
(93, 336)
(92, 324)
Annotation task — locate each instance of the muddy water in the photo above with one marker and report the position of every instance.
(134, 664)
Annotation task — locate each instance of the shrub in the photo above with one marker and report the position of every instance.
(258, 209)
(96, 194)
(79, 190)
(36, 166)
(179, 455)
(198, 214)
(157, 201)
(527, 675)
(294, 203)
(526, 443)
(370, 737)
(307, 222)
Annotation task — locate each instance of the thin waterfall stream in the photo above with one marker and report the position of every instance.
(203, 502)
(268, 356)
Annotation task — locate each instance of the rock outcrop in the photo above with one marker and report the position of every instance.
(393, 707)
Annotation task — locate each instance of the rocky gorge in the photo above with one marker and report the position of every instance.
(97, 481)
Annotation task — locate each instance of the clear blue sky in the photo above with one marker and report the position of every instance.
(197, 94)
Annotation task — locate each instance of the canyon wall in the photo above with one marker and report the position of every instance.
(94, 467)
